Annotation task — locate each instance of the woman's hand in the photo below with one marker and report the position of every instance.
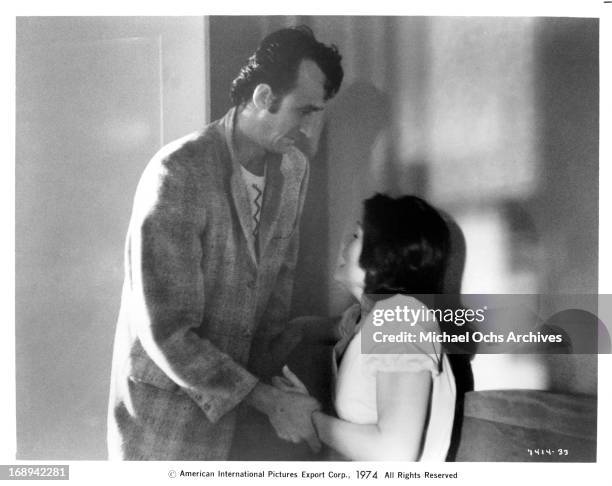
(289, 382)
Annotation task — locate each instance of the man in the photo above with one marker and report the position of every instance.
(210, 255)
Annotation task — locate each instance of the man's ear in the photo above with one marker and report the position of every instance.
(263, 96)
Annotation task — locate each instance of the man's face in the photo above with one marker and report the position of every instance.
(299, 114)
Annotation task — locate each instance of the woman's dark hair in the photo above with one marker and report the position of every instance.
(405, 246)
(276, 62)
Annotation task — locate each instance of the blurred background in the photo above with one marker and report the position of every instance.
(494, 120)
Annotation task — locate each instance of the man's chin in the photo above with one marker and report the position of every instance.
(281, 149)
(288, 147)
(289, 150)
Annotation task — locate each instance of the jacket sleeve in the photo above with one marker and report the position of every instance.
(164, 255)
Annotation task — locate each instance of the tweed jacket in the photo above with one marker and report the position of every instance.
(199, 305)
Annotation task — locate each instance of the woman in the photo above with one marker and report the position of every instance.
(396, 406)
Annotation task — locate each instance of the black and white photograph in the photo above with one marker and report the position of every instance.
(310, 247)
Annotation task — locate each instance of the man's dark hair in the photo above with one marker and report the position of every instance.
(405, 246)
(276, 62)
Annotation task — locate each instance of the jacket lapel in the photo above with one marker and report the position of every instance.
(243, 209)
(282, 191)
(238, 190)
(274, 194)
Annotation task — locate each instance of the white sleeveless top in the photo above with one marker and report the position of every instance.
(355, 379)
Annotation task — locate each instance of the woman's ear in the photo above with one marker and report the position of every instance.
(263, 96)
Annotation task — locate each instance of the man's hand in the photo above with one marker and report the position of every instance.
(291, 418)
(288, 412)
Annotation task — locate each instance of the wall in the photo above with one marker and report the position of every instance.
(495, 120)
(96, 98)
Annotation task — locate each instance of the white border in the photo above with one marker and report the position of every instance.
(499, 473)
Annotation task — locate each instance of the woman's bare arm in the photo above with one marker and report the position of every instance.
(402, 401)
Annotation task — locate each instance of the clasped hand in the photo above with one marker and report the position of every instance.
(292, 420)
